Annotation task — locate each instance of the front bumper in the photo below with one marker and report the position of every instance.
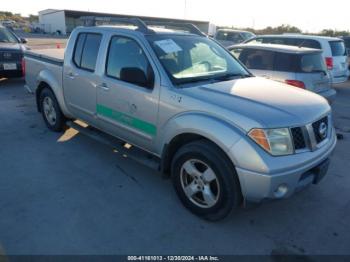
(300, 170)
(11, 73)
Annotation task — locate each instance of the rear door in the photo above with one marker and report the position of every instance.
(126, 107)
(313, 72)
(80, 78)
(340, 67)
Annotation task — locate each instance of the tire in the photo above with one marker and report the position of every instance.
(211, 199)
(53, 116)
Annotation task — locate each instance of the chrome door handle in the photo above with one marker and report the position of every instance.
(103, 86)
(72, 75)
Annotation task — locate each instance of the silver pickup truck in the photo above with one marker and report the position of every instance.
(225, 137)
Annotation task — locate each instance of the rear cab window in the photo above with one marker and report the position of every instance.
(338, 48)
(86, 50)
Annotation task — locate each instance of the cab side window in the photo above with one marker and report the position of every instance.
(126, 61)
(86, 51)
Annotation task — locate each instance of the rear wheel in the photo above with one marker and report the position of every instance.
(205, 180)
(51, 112)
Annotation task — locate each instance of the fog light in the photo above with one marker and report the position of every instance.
(281, 191)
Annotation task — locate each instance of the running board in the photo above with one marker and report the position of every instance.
(124, 149)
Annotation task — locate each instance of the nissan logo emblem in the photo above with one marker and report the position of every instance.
(322, 130)
(7, 55)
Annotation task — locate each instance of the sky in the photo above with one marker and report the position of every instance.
(308, 15)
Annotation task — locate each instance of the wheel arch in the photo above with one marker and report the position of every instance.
(196, 126)
(46, 79)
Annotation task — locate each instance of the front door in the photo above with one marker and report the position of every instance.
(128, 95)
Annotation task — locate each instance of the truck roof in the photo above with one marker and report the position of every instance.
(157, 30)
(146, 27)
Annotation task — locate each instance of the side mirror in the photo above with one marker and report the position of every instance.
(135, 76)
(23, 40)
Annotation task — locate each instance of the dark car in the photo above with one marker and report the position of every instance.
(11, 54)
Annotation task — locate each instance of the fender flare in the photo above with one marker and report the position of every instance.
(218, 131)
(46, 78)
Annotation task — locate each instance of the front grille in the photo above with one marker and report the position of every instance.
(298, 138)
(316, 128)
(10, 56)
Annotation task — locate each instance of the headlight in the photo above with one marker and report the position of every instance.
(277, 142)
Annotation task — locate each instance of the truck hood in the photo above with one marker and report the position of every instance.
(271, 104)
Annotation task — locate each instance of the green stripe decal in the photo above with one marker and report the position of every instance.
(127, 120)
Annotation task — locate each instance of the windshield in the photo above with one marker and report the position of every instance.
(312, 63)
(6, 36)
(192, 58)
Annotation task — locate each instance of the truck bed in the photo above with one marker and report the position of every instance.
(56, 55)
(48, 62)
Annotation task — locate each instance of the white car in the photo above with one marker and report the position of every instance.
(301, 67)
(334, 51)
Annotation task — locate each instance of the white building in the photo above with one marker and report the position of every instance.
(64, 21)
(53, 21)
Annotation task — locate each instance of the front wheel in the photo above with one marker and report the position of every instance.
(51, 112)
(205, 180)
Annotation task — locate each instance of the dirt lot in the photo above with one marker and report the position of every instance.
(71, 195)
(42, 41)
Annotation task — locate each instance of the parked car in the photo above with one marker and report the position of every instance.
(296, 66)
(334, 51)
(224, 136)
(347, 45)
(228, 37)
(11, 54)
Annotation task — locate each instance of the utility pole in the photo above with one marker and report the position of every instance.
(185, 7)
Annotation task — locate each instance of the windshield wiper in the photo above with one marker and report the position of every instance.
(230, 76)
(213, 79)
(194, 80)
